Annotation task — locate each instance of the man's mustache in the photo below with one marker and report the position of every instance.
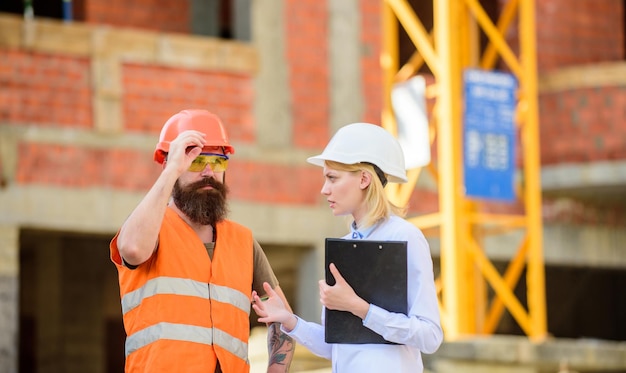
(207, 181)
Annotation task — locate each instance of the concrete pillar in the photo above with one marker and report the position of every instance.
(346, 49)
(9, 298)
(272, 111)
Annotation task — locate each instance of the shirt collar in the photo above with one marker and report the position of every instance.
(361, 233)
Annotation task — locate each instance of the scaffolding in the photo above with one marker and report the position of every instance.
(451, 47)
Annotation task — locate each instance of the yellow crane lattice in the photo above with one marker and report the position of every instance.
(461, 223)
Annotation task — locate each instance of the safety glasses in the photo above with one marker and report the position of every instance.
(217, 162)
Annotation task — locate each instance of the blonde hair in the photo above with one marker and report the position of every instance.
(379, 207)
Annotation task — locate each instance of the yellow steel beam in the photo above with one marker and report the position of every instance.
(445, 321)
(535, 277)
(511, 277)
(399, 194)
(409, 69)
(501, 219)
(454, 261)
(412, 65)
(504, 22)
(389, 64)
(500, 287)
(426, 221)
(416, 32)
(495, 36)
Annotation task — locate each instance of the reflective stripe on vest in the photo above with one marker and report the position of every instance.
(182, 332)
(181, 286)
(190, 333)
(225, 294)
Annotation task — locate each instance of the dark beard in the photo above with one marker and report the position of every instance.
(202, 206)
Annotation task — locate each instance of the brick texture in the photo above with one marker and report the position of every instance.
(45, 89)
(307, 57)
(153, 93)
(158, 15)
(130, 170)
(371, 35)
(583, 125)
(271, 183)
(81, 167)
(54, 90)
(574, 32)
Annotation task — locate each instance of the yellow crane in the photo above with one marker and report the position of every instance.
(451, 47)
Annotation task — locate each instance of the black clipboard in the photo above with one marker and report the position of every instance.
(377, 272)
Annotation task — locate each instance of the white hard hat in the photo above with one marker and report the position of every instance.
(365, 142)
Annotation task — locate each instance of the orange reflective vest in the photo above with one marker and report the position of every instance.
(183, 311)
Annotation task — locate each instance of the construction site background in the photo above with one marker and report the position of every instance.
(82, 100)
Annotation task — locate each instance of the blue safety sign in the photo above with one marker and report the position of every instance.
(489, 134)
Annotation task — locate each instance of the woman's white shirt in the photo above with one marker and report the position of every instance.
(419, 331)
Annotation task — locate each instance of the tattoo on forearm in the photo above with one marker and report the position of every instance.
(280, 346)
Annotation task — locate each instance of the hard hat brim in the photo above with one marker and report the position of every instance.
(319, 160)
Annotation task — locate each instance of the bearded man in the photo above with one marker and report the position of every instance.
(186, 272)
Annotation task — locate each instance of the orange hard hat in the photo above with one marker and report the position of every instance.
(195, 119)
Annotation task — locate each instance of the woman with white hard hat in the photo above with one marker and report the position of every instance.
(358, 162)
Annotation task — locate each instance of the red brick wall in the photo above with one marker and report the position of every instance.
(131, 170)
(371, 39)
(158, 15)
(307, 56)
(45, 89)
(270, 183)
(54, 91)
(151, 95)
(574, 32)
(74, 166)
(154, 93)
(583, 125)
